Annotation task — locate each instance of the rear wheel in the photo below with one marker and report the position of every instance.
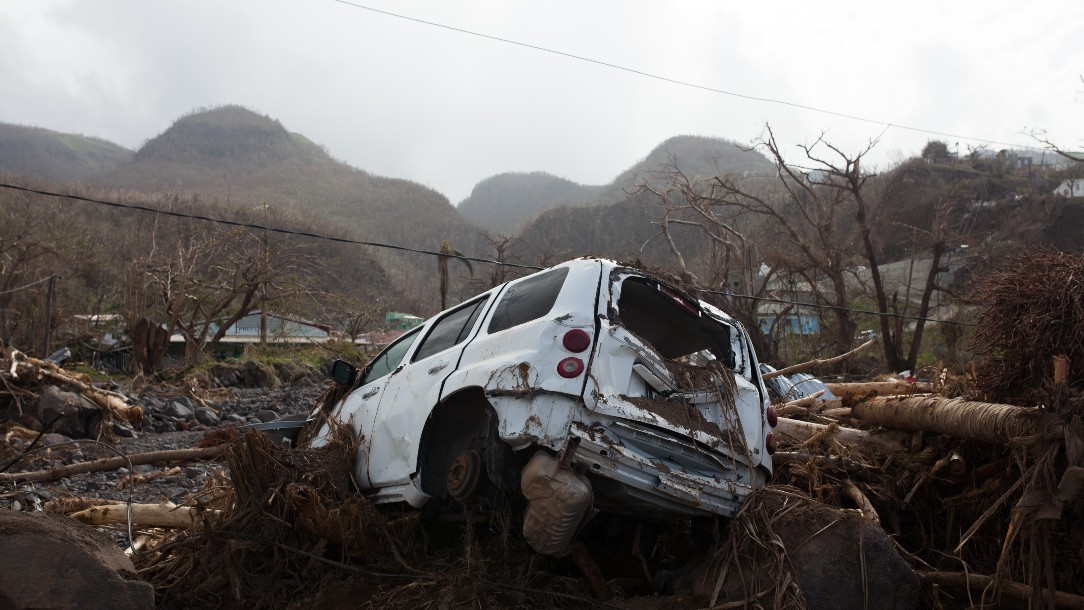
(464, 474)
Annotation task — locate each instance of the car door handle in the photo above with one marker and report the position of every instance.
(370, 392)
(438, 367)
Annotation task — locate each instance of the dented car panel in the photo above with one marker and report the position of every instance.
(652, 399)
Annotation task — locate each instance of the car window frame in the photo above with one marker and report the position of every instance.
(411, 336)
(479, 304)
(510, 292)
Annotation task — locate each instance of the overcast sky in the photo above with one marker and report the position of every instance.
(447, 109)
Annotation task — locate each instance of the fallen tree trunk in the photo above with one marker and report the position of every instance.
(860, 440)
(880, 388)
(145, 515)
(60, 472)
(981, 421)
(980, 582)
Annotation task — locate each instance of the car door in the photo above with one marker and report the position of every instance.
(359, 409)
(411, 393)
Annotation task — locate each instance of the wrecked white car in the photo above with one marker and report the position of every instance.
(590, 385)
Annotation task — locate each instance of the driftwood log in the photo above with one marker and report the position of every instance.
(109, 401)
(145, 515)
(981, 421)
(859, 440)
(113, 463)
(979, 582)
(879, 388)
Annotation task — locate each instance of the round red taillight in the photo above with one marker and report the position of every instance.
(570, 367)
(772, 416)
(576, 340)
(769, 443)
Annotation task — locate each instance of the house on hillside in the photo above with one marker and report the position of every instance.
(395, 320)
(1071, 188)
(281, 329)
(786, 313)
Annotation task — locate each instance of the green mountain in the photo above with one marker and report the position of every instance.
(503, 202)
(58, 157)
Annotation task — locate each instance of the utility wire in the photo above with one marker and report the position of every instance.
(30, 285)
(682, 83)
(247, 225)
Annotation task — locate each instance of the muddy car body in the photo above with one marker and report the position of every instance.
(587, 385)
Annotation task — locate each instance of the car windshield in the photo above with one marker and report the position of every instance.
(390, 357)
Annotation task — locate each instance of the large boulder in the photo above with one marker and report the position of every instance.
(251, 374)
(837, 557)
(70, 414)
(54, 561)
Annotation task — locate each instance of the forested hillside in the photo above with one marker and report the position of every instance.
(737, 219)
(619, 222)
(57, 157)
(503, 202)
(242, 159)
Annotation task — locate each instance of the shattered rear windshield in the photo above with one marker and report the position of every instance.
(671, 322)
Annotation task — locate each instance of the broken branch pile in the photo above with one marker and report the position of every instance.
(1033, 314)
(31, 395)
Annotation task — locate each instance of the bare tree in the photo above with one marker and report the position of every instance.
(35, 237)
(809, 222)
(689, 211)
(199, 281)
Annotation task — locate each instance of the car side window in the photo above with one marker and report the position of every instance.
(390, 358)
(450, 330)
(528, 300)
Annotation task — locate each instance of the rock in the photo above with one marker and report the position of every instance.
(74, 415)
(54, 561)
(828, 551)
(267, 415)
(124, 429)
(52, 440)
(178, 410)
(192, 472)
(206, 416)
(259, 375)
(290, 373)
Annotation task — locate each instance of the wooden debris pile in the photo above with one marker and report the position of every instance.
(38, 395)
(979, 478)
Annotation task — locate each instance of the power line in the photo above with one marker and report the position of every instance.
(682, 83)
(247, 225)
(30, 285)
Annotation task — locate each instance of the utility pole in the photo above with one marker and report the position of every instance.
(48, 316)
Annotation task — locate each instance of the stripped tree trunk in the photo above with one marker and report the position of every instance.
(981, 421)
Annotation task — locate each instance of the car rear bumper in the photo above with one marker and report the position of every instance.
(627, 480)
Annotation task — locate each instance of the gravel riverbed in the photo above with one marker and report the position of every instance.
(171, 421)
